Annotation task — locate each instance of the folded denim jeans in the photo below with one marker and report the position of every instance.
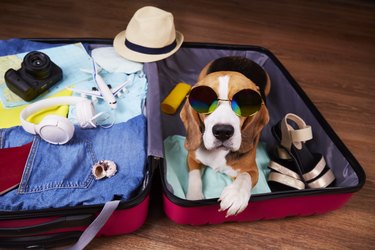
(61, 175)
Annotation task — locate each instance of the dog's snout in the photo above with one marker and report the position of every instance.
(222, 132)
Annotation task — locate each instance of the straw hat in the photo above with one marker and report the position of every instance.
(150, 36)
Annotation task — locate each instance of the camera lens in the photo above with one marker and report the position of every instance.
(37, 64)
(36, 61)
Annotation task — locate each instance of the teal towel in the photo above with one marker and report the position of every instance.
(213, 182)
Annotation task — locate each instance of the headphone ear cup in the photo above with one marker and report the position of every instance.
(55, 129)
(84, 113)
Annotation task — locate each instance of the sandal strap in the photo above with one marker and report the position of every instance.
(302, 134)
(323, 181)
(290, 136)
(286, 180)
(283, 170)
(316, 171)
(282, 153)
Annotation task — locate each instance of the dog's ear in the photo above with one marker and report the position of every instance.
(204, 71)
(191, 123)
(252, 128)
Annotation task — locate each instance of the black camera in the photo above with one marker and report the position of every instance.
(37, 74)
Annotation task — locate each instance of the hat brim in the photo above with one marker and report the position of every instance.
(121, 49)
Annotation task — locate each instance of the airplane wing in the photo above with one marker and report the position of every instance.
(116, 90)
(94, 93)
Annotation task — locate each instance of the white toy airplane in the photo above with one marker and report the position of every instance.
(104, 91)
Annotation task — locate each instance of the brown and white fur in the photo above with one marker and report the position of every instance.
(234, 156)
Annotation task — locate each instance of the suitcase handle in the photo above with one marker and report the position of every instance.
(62, 222)
(41, 241)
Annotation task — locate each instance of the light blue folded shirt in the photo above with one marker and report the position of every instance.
(213, 182)
(108, 59)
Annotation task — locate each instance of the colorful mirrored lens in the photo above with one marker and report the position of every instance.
(203, 99)
(246, 102)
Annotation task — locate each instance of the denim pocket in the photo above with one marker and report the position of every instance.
(52, 166)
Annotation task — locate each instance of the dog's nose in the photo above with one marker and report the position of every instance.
(222, 132)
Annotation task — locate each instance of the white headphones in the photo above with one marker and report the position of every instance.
(57, 129)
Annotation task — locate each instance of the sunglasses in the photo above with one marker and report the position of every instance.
(246, 102)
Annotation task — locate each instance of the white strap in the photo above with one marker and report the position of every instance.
(315, 172)
(279, 168)
(95, 226)
(290, 136)
(302, 134)
(282, 153)
(323, 181)
(286, 180)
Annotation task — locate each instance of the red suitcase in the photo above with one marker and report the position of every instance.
(52, 227)
(286, 96)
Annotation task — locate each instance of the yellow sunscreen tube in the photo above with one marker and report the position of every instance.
(174, 99)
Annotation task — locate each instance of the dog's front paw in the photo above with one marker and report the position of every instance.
(235, 197)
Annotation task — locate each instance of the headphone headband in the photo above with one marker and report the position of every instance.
(46, 103)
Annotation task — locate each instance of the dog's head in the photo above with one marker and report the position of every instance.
(223, 127)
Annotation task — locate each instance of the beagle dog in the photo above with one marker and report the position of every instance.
(220, 138)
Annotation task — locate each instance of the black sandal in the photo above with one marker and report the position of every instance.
(284, 174)
(295, 164)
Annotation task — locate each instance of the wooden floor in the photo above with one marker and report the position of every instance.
(329, 48)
